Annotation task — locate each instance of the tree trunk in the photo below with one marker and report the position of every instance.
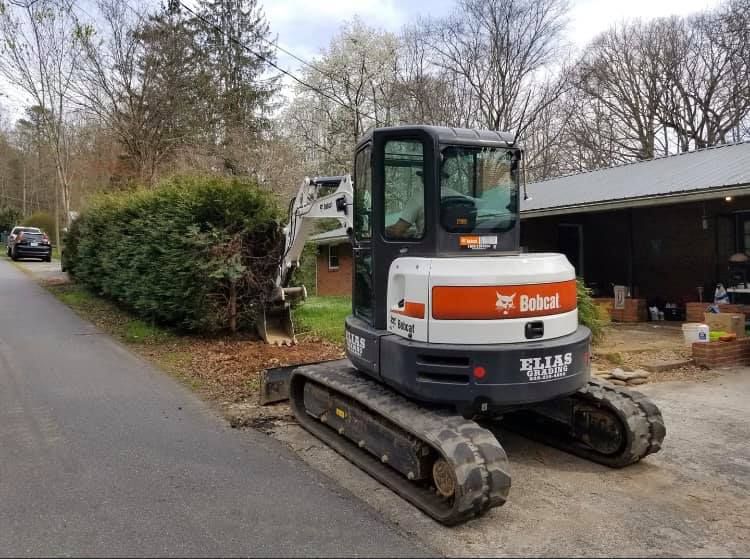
(57, 213)
(232, 306)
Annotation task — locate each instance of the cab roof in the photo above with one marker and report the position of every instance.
(447, 135)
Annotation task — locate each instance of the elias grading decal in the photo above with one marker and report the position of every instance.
(355, 344)
(547, 367)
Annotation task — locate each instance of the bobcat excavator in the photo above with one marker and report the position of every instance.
(453, 329)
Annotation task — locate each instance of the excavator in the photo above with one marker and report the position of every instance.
(454, 330)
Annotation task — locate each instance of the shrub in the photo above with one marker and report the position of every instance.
(197, 253)
(589, 314)
(45, 221)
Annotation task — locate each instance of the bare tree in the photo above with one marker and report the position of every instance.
(502, 53)
(144, 77)
(707, 78)
(40, 48)
(622, 71)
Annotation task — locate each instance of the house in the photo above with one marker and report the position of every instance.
(664, 228)
(334, 263)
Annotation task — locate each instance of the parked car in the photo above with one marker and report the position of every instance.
(14, 233)
(30, 242)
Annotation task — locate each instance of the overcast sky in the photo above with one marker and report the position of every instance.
(304, 27)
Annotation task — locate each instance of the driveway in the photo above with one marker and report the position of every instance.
(690, 499)
(100, 454)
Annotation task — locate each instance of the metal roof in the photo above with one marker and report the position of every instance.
(702, 174)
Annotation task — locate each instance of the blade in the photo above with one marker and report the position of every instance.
(274, 382)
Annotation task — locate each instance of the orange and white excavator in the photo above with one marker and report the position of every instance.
(453, 330)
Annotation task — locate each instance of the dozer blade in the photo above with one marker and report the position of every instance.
(275, 325)
(274, 382)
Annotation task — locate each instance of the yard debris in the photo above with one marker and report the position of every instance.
(627, 376)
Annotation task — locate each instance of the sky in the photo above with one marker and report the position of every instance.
(304, 27)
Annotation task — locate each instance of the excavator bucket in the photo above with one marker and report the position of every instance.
(275, 325)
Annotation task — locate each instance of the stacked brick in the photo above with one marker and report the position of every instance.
(694, 311)
(722, 354)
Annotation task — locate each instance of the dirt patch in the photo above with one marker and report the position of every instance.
(228, 369)
(634, 346)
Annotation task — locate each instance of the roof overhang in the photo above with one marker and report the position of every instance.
(666, 199)
(331, 240)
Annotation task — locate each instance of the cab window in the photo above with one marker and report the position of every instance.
(404, 189)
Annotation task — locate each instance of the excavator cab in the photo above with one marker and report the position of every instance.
(429, 191)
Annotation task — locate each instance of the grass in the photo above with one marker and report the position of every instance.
(110, 317)
(323, 317)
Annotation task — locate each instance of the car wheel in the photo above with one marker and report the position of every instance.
(14, 256)
(47, 259)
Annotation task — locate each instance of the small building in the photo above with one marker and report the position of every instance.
(333, 274)
(663, 228)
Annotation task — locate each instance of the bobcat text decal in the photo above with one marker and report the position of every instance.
(490, 302)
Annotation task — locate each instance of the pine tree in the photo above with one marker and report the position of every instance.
(244, 89)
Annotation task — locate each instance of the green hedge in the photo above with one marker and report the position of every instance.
(197, 253)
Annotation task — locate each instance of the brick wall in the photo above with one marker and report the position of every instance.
(722, 354)
(694, 311)
(634, 311)
(335, 282)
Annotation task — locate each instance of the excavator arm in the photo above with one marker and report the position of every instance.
(317, 198)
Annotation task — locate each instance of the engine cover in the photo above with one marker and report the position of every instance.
(482, 300)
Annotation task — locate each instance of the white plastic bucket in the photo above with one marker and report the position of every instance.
(695, 332)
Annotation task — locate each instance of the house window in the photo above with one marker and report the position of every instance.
(333, 257)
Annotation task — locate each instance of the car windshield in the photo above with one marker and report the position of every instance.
(484, 182)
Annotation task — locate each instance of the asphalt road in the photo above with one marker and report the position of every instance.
(100, 454)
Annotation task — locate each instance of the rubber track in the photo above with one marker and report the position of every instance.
(641, 417)
(480, 463)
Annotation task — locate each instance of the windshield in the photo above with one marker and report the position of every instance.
(478, 189)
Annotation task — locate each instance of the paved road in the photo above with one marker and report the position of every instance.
(100, 454)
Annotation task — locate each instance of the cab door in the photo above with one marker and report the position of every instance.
(362, 291)
(404, 198)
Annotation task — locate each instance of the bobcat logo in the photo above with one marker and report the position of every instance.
(504, 302)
